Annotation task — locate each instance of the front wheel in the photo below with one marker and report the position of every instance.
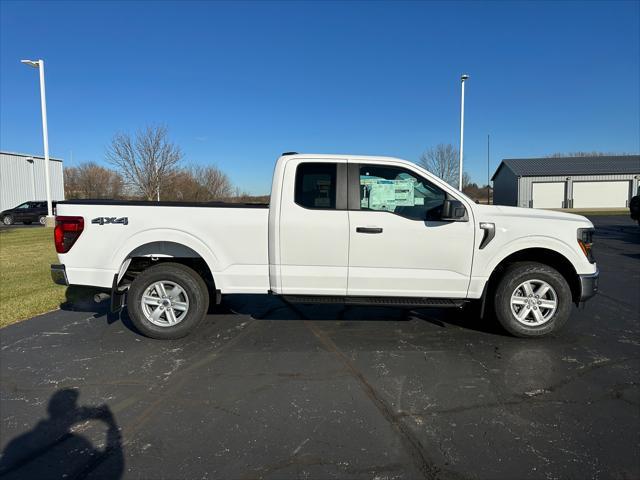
(7, 220)
(532, 300)
(167, 301)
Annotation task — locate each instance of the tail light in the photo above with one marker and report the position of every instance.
(67, 231)
(585, 240)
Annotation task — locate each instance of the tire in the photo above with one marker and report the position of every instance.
(515, 296)
(172, 321)
(42, 220)
(7, 220)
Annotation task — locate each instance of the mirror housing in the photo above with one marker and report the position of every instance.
(454, 211)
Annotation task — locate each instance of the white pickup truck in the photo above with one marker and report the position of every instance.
(339, 228)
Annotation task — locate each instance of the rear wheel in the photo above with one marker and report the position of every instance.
(42, 219)
(167, 301)
(7, 220)
(532, 300)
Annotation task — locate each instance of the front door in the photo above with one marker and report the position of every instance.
(398, 245)
(21, 212)
(314, 228)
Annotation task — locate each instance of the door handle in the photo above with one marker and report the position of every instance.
(368, 229)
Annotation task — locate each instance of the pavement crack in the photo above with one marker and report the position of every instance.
(412, 443)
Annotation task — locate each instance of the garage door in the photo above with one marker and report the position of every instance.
(548, 195)
(600, 194)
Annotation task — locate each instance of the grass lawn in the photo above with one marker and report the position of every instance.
(26, 288)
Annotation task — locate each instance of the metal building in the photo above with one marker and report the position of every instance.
(567, 182)
(22, 179)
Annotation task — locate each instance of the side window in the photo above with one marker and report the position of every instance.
(24, 205)
(316, 186)
(399, 191)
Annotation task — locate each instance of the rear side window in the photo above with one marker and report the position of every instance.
(316, 186)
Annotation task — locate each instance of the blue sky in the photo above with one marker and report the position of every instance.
(239, 83)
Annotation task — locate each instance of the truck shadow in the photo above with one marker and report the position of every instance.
(54, 448)
(269, 307)
(262, 307)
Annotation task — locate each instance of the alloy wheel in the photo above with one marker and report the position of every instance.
(534, 302)
(165, 303)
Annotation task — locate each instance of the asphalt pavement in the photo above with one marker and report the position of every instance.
(268, 390)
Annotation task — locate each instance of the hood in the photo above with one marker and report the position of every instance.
(532, 213)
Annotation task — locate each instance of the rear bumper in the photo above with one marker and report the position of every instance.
(59, 274)
(588, 285)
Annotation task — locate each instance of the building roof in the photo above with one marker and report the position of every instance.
(550, 166)
(16, 154)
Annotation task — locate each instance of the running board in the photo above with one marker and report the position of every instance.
(381, 301)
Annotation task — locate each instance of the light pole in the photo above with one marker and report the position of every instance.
(463, 78)
(39, 64)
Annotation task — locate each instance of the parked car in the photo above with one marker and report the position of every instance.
(27, 213)
(339, 229)
(634, 208)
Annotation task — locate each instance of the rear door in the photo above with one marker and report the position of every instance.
(398, 245)
(314, 228)
(33, 212)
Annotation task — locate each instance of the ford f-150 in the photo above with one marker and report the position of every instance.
(339, 228)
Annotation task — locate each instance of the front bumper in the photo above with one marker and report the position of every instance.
(59, 274)
(588, 285)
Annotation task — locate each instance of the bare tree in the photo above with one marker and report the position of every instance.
(90, 180)
(466, 180)
(214, 181)
(146, 161)
(182, 186)
(443, 161)
(197, 184)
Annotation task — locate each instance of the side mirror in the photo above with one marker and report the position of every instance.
(453, 211)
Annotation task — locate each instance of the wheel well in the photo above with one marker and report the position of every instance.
(540, 255)
(155, 253)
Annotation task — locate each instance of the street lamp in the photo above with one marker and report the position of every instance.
(463, 78)
(39, 64)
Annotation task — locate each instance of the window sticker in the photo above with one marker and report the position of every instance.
(382, 194)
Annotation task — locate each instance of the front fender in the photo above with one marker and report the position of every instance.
(579, 263)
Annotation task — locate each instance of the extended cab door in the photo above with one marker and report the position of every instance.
(314, 228)
(399, 246)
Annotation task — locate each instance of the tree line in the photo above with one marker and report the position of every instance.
(148, 166)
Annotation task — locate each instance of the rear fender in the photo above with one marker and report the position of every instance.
(174, 244)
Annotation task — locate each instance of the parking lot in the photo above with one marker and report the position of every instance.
(268, 390)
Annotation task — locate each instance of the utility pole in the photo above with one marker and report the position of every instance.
(488, 181)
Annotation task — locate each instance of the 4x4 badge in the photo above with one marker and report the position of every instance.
(108, 220)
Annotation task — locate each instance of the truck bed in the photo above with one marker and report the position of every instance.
(232, 238)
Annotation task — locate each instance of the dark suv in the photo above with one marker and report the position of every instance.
(27, 213)
(634, 208)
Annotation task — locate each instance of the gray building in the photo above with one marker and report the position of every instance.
(567, 182)
(22, 179)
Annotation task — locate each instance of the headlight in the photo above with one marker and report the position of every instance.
(585, 240)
